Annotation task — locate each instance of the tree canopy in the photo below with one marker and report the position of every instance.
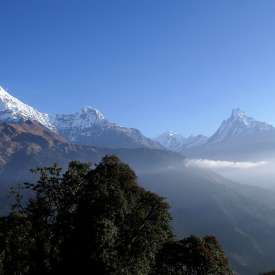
(192, 255)
(97, 221)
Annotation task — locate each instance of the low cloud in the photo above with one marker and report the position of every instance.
(221, 164)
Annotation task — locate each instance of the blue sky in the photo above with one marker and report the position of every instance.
(155, 65)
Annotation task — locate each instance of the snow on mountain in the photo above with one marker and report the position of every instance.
(12, 110)
(171, 141)
(239, 134)
(177, 143)
(239, 138)
(86, 118)
(90, 127)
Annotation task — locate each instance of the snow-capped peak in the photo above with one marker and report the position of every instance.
(171, 140)
(239, 123)
(87, 127)
(12, 109)
(85, 118)
(176, 142)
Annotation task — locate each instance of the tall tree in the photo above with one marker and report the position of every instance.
(86, 219)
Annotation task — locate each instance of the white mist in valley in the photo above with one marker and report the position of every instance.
(259, 173)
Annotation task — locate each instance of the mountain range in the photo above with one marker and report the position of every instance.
(86, 127)
(202, 202)
(239, 137)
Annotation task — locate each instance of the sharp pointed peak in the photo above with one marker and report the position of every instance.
(238, 113)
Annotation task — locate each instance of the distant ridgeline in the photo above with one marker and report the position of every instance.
(98, 221)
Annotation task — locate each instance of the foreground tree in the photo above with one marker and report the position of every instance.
(97, 221)
(194, 256)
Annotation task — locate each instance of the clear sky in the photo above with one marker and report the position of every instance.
(151, 64)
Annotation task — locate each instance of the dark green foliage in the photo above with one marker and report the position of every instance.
(268, 273)
(129, 223)
(194, 256)
(97, 221)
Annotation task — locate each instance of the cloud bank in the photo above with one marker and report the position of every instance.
(221, 164)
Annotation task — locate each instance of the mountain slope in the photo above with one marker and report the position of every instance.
(13, 110)
(240, 216)
(28, 135)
